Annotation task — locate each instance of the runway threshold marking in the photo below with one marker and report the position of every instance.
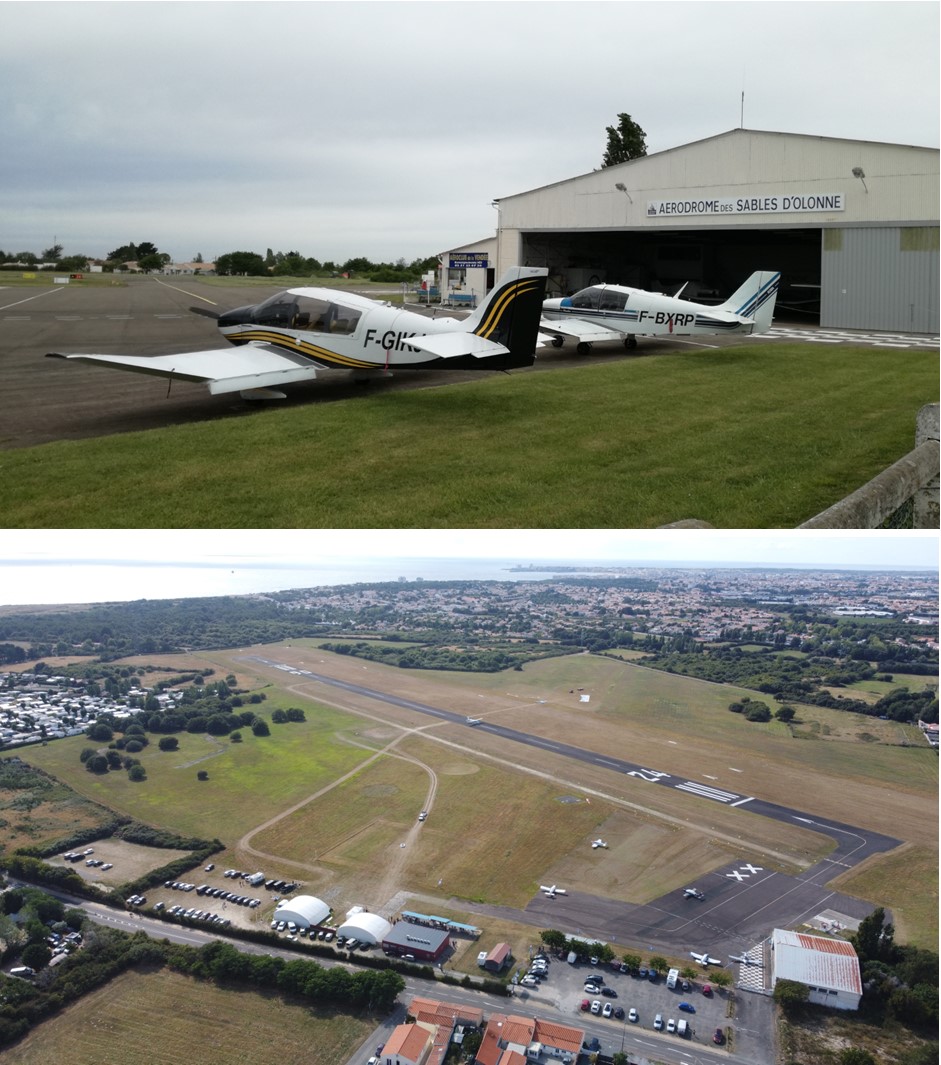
(28, 298)
(186, 292)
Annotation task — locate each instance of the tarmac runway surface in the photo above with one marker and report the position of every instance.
(50, 399)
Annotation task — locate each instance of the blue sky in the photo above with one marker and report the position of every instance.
(386, 129)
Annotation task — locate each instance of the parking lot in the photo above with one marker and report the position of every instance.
(564, 987)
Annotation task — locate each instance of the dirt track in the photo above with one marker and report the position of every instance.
(49, 399)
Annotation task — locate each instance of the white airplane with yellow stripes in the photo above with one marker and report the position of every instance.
(296, 333)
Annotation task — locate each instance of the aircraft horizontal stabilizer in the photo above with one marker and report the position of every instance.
(457, 345)
(230, 369)
(583, 332)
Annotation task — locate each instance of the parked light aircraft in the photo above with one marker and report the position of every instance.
(294, 334)
(742, 959)
(693, 893)
(616, 312)
(704, 959)
(552, 890)
(596, 843)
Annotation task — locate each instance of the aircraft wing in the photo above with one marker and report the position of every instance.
(455, 345)
(230, 369)
(584, 332)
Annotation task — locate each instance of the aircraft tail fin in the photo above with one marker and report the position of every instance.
(755, 299)
(510, 314)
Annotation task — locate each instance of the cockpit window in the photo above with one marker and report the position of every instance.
(288, 311)
(612, 300)
(587, 299)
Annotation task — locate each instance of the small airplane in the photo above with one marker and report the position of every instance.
(617, 312)
(596, 843)
(551, 892)
(475, 721)
(296, 333)
(693, 893)
(704, 959)
(743, 959)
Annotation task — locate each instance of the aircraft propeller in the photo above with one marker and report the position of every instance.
(214, 315)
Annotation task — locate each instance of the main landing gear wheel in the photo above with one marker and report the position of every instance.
(557, 342)
(630, 342)
(582, 349)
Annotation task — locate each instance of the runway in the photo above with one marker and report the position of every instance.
(743, 901)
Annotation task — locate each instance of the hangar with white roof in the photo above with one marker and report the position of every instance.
(364, 927)
(304, 911)
(852, 225)
(829, 967)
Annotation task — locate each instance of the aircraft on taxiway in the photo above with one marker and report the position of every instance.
(298, 332)
(617, 312)
(704, 959)
(693, 893)
(552, 890)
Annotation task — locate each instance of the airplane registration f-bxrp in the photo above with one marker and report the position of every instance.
(614, 312)
(295, 333)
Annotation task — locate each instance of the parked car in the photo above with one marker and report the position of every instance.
(671, 1025)
(609, 991)
(585, 1005)
(658, 1021)
(718, 1037)
(687, 1007)
(596, 1006)
(592, 989)
(706, 990)
(619, 1013)
(607, 1009)
(632, 1014)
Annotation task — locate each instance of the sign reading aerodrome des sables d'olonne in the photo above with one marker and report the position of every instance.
(775, 203)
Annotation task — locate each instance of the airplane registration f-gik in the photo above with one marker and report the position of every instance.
(295, 333)
(616, 312)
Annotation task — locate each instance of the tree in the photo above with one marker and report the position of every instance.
(202, 775)
(625, 141)
(168, 743)
(136, 773)
(241, 262)
(785, 713)
(100, 732)
(260, 728)
(53, 254)
(36, 955)
(97, 764)
(790, 994)
(658, 963)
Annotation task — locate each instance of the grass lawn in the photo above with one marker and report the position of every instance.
(759, 436)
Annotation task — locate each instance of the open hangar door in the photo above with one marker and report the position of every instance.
(712, 263)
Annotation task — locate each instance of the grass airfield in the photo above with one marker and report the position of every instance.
(741, 433)
(334, 799)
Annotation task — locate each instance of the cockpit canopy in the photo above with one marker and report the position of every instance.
(599, 298)
(288, 310)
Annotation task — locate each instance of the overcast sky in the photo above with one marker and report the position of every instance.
(386, 130)
(50, 566)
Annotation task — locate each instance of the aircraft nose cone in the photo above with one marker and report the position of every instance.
(239, 316)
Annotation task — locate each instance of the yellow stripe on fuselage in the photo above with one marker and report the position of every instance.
(301, 347)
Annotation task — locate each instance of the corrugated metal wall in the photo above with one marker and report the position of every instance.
(880, 279)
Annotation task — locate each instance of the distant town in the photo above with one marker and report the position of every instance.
(850, 624)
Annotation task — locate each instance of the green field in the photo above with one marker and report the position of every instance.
(758, 436)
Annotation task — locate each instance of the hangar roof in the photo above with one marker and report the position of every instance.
(365, 926)
(404, 934)
(302, 908)
(816, 960)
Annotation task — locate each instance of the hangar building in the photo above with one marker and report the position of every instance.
(829, 967)
(364, 927)
(852, 226)
(423, 944)
(304, 911)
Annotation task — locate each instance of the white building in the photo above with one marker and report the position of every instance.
(829, 967)
(304, 911)
(852, 226)
(365, 927)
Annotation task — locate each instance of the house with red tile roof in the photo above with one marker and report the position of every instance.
(443, 1021)
(510, 1040)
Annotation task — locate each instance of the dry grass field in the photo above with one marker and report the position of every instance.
(333, 800)
(115, 1025)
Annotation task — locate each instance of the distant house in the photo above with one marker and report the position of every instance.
(829, 967)
(409, 1044)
